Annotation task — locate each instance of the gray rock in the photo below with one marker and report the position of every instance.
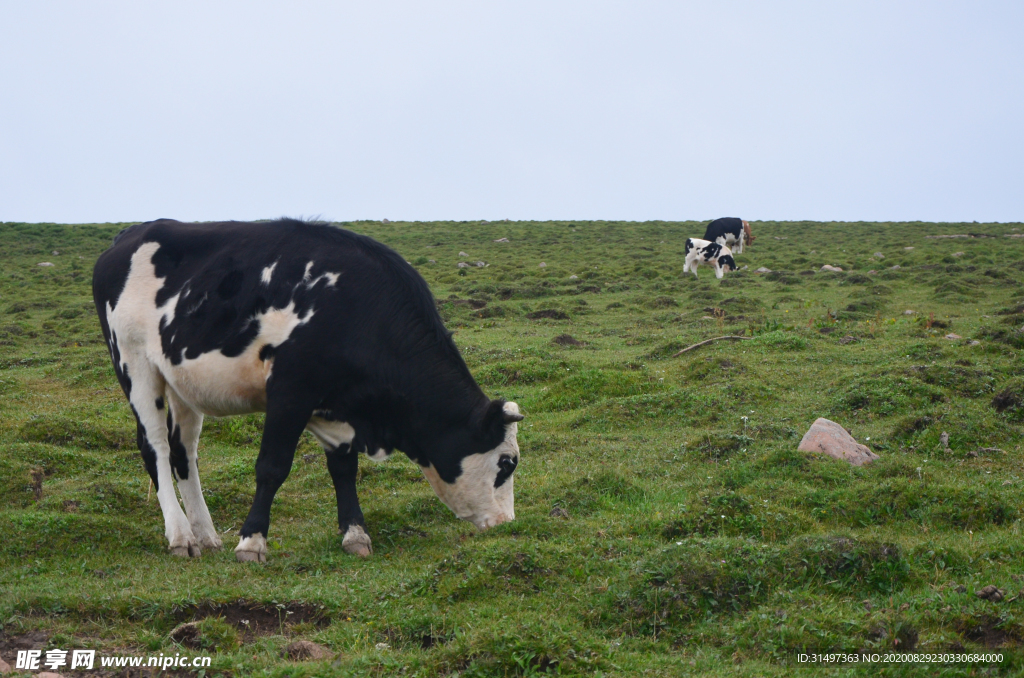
(55, 253)
(542, 265)
(953, 337)
(763, 270)
(463, 254)
(895, 268)
(909, 312)
(908, 248)
(501, 240)
(944, 440)
(480, 264)
(828, 267)
(574, 277)
(462, 264)
(958, 254)
(828, 437)
(879, 255)
(44, 263)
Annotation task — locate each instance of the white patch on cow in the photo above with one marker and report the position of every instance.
(309, 267)
(268, 273)
(331, 434)
(252, 549)
(473, 496)
(380, 455)
(356, 541)
(211, 383)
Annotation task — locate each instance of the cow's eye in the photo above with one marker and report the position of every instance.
(506, 465)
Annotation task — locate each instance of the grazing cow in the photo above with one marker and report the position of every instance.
(703, 252)
(322, 329)
(731, 232)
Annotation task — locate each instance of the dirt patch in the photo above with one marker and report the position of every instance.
(548, 313)
(566, 340)
(9, 645)
(985, 630)
(256, 619)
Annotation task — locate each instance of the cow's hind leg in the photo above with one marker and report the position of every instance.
(287, 416)
(146, 395)
(183, 427)
(343, 464)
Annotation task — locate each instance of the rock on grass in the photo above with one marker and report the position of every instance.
(828, 437)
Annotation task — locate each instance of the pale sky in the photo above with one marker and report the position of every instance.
(130, 111)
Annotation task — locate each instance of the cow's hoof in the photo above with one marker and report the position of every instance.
(186, 551)
(252, 549)
(357, 542)
(211, 543)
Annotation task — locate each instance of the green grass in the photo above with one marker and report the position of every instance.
(692, 539)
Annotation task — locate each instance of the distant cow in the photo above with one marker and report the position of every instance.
(320, 328)
(703, 252)
(731, 232)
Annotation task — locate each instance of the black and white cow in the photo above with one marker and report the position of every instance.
(703, 252)
(731, 232)
(322, 329)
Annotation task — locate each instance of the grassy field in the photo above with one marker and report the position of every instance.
(666, 524)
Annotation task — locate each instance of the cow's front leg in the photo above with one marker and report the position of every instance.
(719, 272)
(343, 463)
(281, 430)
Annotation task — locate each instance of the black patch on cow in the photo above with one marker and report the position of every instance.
(179, 456)
(727, 262)
(724, 226)
(506, 466)
(689, 245)
(160, 402)
(267, 352)
(230, 285)
(145, 449)
(711, 251)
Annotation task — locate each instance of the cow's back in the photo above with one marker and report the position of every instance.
(213, 306)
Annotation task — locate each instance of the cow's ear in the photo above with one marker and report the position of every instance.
(511, 413)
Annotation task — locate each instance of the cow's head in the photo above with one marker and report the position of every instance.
(748, 236)
(478, 488)
(727, 262)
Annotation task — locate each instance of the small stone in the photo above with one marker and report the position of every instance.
(872, 272)
(829, 267)
(574, 277)
(952, 337)
(847, 340)
(944, 439)
(462, 264)
(303, 650)
(480, 264)
(4, 667)
(763, 270)
(385, 221)
(744, 267)
(1007, 482)
(44, 264)
(186, 634)
(908, 248)
(879, 255)
(463, 254)
(55, 253)
(958, 254)
(909, 312)
(973, 342)
(990, 592)
(828, 437)
(501, 240)
(380, 647)
(542, 265)
(431, 261)
(559, 512)
(895, 268)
